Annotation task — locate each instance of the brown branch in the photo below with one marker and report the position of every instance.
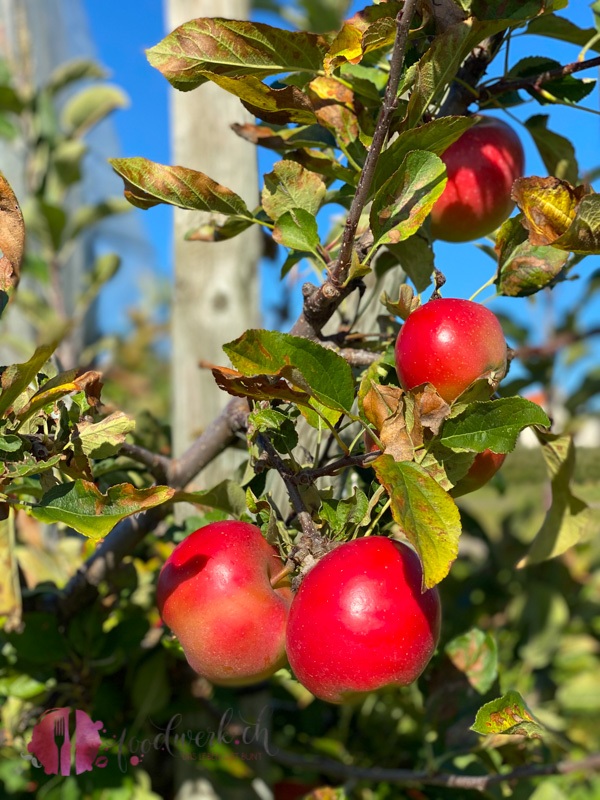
(452, 780)
(309, 474)
(157, 465)
(390, 103)
(534, 83)
(289, 477)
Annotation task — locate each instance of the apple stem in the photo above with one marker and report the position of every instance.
(481, 288)
(283, 573)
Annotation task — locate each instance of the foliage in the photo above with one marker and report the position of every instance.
(514, 685)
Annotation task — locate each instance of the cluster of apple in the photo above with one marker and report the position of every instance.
(360, 620)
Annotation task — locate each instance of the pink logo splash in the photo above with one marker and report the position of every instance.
(64, 735)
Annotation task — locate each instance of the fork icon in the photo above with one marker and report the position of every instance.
(59, 740)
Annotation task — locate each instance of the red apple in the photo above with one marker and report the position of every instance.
(482, 470)
(359, 621)
(215, 592)
(450, 343)
(481, 166)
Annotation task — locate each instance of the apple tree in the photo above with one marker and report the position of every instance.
(398, 445)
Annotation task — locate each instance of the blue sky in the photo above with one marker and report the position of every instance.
(121, 34)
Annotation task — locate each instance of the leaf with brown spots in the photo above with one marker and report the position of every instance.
(509, 715)
(202, 48)
(12, 238)
(258, 387)
(549, 206)
(83, 507)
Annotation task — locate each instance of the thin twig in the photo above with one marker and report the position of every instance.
(382, 127)
(309, 528)
(534, 83)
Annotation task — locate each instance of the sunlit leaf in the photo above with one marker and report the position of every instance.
(290, 186)
(297, 229)
(435, 137)
(17, 377)
(493, 425)
(403, 202)
(104, 438)
(277, 106)
(306, 365)
(426, 514)
(201, 48)
(559, 214)
(83, 507)
(147, 184)
(508, 714)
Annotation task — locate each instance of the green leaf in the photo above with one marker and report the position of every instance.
(476, 655)
(563, 29)
(343, 515)
(306, 365)
(568, 519)
(556, 151)
(435, 137)
(403, 202)
(89, 106)
(103, 439)
(10, 443)
(297, 229)
(147, 184)
(514, 11)
(508, 714)
(524, 268)
(197, 50)
(17, 377)
(291, 186)
(426, 514)
(82, 506)
(28, 465)
(227, 496)
(493, 425)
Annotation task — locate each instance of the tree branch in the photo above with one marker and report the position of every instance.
(448, 779)
(534, 83)
(390, 103)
